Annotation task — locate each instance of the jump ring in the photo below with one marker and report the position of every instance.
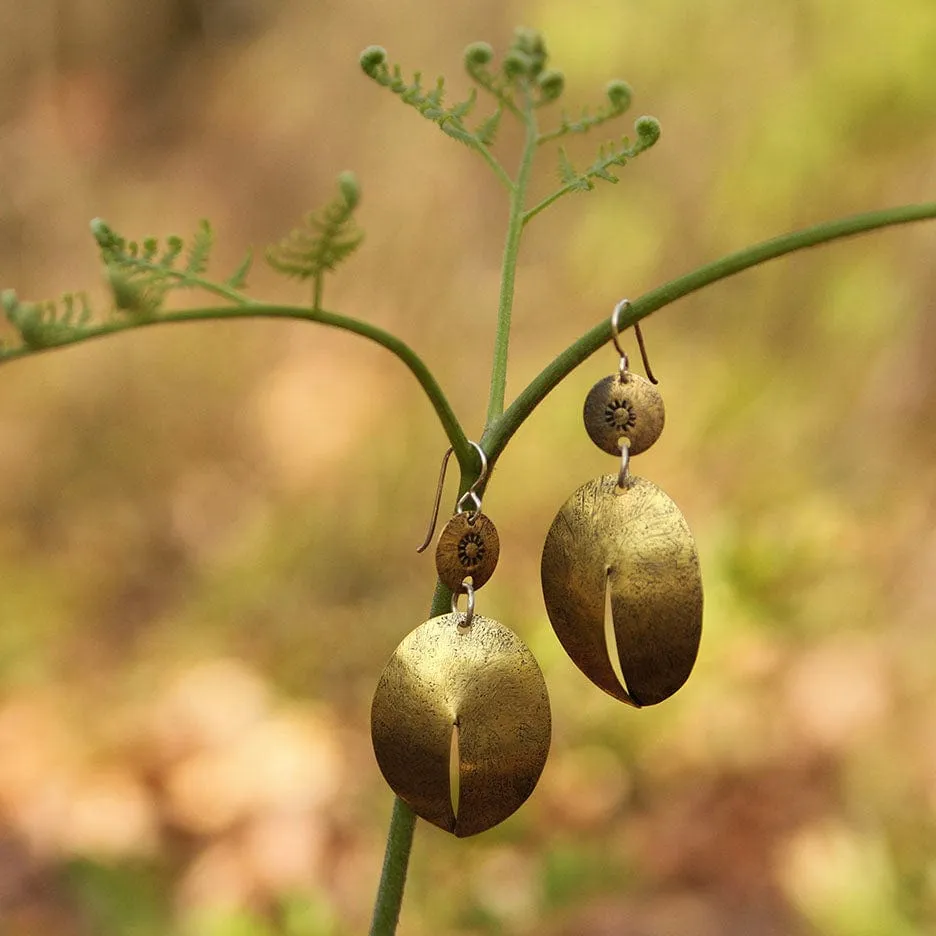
(625, 461)
(468, 589)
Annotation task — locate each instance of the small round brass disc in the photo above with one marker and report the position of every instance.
(467, 548)
(483, 679)
(631, 407)
(636, 543)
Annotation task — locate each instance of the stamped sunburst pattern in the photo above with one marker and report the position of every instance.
(620, 415)
(470, 549)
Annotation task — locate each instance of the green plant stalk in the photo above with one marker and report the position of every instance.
(466, 455)
(500, 432)
(509, 269)
(402, 825)
(318, 287)
(547, 201)
(193, 281)
(393, 875)
(495, 165)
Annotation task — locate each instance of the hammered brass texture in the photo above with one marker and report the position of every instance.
(483, 679)
(630, 407)
(466, 548)
(636, 542)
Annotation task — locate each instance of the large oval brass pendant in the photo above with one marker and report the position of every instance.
(635, 542)
(482, 680)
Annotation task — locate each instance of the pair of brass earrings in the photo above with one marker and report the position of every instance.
(463, 700)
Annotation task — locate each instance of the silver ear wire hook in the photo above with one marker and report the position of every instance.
(616, 331)
(470, 495)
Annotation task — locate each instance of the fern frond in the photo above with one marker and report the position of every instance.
(619, 96)
(238, 279)
(325, 239)
(140, 275)
(487, 131)
(609, 155)
(477, 57)
(200, 250)
(45, 324)
(523, 66)
(567, 172)
(174, 246)
(428, 103)
(464, 108)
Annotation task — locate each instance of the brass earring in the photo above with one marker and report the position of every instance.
(463, 686)
(622, 534)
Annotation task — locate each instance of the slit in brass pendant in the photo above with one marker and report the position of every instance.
(483, 680)
(634, 541)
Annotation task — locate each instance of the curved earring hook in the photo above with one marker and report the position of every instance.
(616, 331)
(470, 495)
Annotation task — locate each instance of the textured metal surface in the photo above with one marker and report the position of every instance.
(637, 543)
(467, 548)
(631, 407)
(484, 679)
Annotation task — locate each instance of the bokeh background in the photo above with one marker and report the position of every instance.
(207, 532)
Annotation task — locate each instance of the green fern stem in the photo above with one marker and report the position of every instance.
(502, 174)
(466, 455)
(500, 432)
(389, 898)
(396, 863)
(318, 288)
(548, 200)
(189, 280)
(509, 267)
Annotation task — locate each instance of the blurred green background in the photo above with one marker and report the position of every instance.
(207, 532)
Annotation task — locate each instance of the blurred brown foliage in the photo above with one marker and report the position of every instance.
(207, 532)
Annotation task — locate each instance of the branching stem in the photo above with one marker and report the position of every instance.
(495, 164)
(499, 433)
(192, 281)
(547, 201)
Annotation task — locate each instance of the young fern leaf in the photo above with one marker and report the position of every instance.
(567, 172)
(477, 57)
(202, 242)
(140, 275)
(238, 279)
(45, 324)
(551, 85)
(429, 104)
(619, 95)
(174, 246)
(325, 239)
(523, 69)
(648, 132)
(486, 131)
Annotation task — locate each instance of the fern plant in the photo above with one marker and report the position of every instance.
(142, 274)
